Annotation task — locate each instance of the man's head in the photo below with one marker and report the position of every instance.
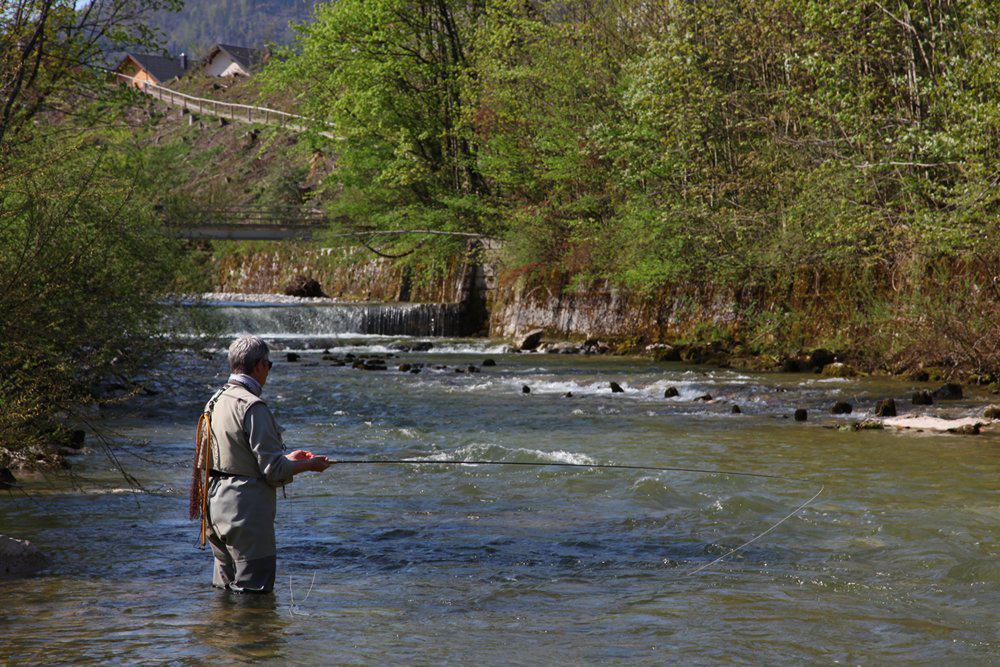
(248, 355)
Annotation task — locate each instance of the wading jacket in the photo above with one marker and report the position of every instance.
(246, 441)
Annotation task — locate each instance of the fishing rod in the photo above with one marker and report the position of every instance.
(618, 466)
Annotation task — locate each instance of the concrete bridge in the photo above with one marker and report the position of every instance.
(246, 231)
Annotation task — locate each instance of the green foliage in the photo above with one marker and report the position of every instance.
(811, 153)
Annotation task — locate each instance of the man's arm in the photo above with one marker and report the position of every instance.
(265, 442)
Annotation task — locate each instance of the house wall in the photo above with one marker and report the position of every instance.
(223, 65)
(140, 76)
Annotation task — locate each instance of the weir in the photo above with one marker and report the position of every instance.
(387, 319)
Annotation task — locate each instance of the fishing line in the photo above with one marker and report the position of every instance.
(618, 466)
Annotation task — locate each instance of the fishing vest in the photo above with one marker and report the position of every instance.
(230, 448)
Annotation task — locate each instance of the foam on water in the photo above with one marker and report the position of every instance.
(492, 452)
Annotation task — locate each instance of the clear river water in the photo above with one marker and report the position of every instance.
(896, 562)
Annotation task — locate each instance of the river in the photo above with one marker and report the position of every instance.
(896, 562)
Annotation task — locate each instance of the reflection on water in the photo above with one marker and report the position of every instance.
(897, 562)
(242, 628)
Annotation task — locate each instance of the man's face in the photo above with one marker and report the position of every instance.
(262, 370)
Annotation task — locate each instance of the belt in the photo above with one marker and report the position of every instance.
(218, 474)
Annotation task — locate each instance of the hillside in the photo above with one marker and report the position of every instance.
(246, 22)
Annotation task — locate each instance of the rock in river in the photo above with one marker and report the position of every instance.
(992, 412)
(841, 408)
(20, 558)
(885, 408)
(838, 370)
(922, 397)
(616, 388)
(801, 415)
(670, 392)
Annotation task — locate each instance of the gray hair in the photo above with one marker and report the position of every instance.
(245, 353)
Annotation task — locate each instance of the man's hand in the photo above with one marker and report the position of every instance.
(303, 460)
(318, 463)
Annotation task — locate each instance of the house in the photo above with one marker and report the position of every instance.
(228, 60)
(144, 68)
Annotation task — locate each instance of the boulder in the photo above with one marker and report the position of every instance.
(489, 362)
(414, 370)
(671, 392)
(422, 346)
(471, 369)
(291, 356)
(922, 397)
(616, 388)
(304, 286)
(992, 412)
(885, 408)
(948, 392)
(405, 368)
(568, 394)
(530, 340)
(704, 397)
(801, 415)
(841, 408)
(664, 352)
(838, 370)
(525, 389)
(820, 358)
(20, 558)
(736, 410)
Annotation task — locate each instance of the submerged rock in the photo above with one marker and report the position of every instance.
(291, 356)
(530, 340)
(20, 558)
(704, 397)
(948, 392)
(616, 388)
(885, 408)
(868, 425)
(405, 368)
(922, 397)
(841, 408)
(422, 346)
(489, 362)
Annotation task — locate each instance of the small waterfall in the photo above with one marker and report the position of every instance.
(307, 320)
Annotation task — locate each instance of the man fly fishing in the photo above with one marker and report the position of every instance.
(239, 465)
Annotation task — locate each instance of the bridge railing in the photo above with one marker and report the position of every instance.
(247, 113)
